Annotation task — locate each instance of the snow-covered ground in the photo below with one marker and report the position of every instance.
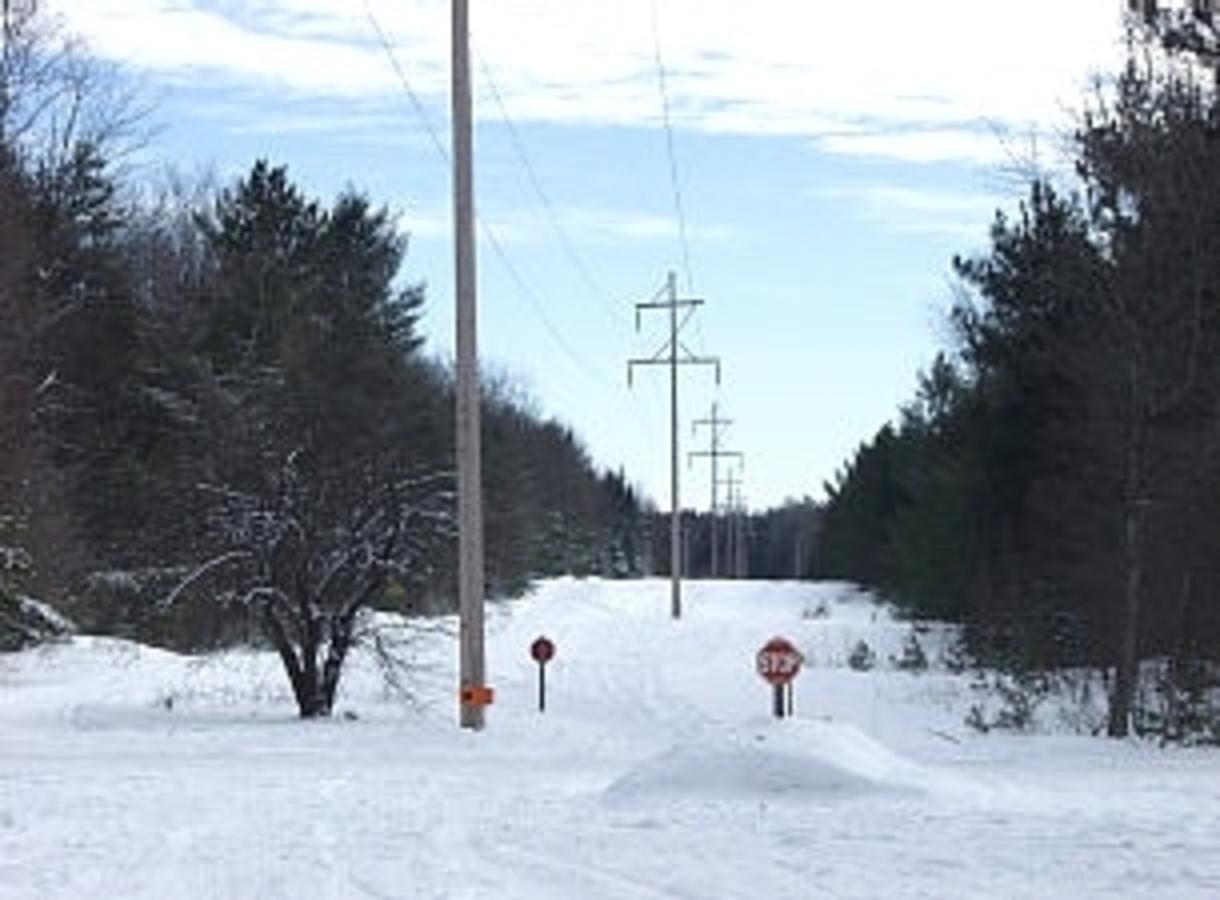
(655, 772)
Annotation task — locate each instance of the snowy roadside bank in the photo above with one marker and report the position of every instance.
(656, 772)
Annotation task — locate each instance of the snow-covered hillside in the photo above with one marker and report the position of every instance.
(655, 772)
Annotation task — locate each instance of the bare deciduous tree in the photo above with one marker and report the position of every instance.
(309, 558)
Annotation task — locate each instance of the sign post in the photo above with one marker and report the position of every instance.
(778, 662)
(542, 651)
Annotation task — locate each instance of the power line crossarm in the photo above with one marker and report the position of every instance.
(681, 361)
(717, 454)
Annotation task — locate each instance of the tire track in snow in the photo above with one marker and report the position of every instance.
(552, 875)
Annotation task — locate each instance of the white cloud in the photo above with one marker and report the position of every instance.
(928, 211)
(610, 225)
(584, 224)
(922, 146)
(187, 38)
(923, 74)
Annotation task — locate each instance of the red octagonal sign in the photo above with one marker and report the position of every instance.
(778, 661)
(542, 650)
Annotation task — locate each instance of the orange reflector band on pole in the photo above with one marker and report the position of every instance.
(478, 696)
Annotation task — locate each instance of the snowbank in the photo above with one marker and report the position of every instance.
(808, 759)
(655, 772)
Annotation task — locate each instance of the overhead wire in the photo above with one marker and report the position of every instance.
(564, 239)
(674, 180)
(674, 173)
(528, 292)
(642, 414)
(489, 232)
(420, 112)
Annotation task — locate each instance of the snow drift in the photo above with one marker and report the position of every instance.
(794, 760)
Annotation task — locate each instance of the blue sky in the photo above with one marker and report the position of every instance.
(832, 158)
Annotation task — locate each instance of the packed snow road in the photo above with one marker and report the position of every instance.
(655, 772)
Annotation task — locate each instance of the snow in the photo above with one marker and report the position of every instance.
(655, 772)
(47, 617)
(805, 758)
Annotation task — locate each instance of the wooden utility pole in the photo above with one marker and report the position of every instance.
(716, 426)
(733, 481)
(743, 538)
(673, 354)
(471, 664)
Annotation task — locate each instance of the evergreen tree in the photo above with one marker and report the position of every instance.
(319, 500)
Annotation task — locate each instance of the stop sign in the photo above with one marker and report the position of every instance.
(778, 661)
(542, 650)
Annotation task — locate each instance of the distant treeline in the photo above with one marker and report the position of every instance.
(1055, 484)
(189, 372)
(775, 544)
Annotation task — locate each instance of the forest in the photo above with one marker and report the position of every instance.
(1053, 483)
(219, 421)
(217, 414)
(980, 658)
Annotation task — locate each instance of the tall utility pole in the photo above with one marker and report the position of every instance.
(733, 481)
(673, 354)
(744, 530)
(716, 426)
(472, 690)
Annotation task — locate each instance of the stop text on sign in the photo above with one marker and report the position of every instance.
(778, 661)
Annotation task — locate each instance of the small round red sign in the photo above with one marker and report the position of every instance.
(542, 650)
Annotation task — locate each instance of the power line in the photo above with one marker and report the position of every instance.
(642, 417)
(420, 112)
(544, 199)
(523, 286)
(670, 148)
(489, 233)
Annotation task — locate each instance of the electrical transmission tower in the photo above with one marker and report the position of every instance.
(716, 427)
(734, 506)
(673, 353)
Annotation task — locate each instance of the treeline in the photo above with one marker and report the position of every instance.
(774, 544)
(1055, 484)
(215, 410)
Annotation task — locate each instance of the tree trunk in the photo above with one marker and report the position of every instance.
(1174, 728)
(341, 629)
(1126, 674)
(334, 668)
(312, 698)
(304, 683)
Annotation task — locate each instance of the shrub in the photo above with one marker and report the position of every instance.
(862, 657)
(913, 658)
